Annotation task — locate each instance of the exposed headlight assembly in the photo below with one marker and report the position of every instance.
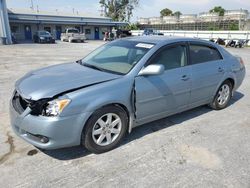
(55, 107)
(42, 38)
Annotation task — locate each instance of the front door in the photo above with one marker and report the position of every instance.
(97, 33)
(207, 72)
(160, 95)
(58, 32)
(27, 32)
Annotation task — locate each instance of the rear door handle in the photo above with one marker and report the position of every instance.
(184, 78)
(220, 69)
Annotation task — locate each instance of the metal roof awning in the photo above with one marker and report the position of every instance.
(43, 19)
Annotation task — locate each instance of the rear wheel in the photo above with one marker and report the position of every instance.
(105, 129)
(223, 96)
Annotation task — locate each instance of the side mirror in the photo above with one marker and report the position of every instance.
(152, 70)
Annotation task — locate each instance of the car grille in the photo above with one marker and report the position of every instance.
(19, 103)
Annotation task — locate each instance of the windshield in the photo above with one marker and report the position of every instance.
(46, 33)
(118, 57)
(73, 31)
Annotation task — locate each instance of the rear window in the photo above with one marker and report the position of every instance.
(73, 31)
(201, 54)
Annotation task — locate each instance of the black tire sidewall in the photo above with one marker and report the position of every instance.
(87, 139)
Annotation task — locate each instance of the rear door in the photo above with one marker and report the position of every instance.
(159, 95)
(207, 72)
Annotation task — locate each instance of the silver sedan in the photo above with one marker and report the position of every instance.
(123, 84)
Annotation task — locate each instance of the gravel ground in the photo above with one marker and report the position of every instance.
(197, 148)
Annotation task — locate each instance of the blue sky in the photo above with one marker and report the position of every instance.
(147, 8)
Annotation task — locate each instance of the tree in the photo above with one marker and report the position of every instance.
(177, 14)
(166, 12)
(233, 26)
(219, 10)
(119, 10)
(133, 26)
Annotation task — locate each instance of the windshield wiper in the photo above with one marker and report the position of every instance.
(93, 67)
(97, 68)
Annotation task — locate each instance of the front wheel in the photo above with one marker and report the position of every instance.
(105, 129)
(223, 96)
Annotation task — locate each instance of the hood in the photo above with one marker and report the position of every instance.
(53, 80)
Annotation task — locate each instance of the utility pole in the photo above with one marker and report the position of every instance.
(240, 20)
(31, 5)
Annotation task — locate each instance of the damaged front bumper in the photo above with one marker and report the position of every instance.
(48, 132)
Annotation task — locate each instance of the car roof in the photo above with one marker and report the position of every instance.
(42, 31)
(164, 39)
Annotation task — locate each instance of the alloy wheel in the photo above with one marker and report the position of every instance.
(224, 94)
(106, 129)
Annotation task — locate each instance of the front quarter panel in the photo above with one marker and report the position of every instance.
(94, 97)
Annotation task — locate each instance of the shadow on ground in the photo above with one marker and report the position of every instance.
(139, 132)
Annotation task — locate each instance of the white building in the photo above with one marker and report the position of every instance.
(236, 15)
(204, 21)
(170, 19)
(155, 20)
(209, 16)
(188, 18)
(143, 21)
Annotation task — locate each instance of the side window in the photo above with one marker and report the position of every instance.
(200, 54)
(172, 57)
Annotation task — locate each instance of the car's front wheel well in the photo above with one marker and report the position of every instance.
(231, 81)
(123, 107)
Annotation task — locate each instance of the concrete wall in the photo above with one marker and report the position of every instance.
(4, 22)
(203, 34)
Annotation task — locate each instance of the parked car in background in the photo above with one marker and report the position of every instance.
(43, 37)
(121, 85)
(121, 33)
(73, 35)
(149, 31)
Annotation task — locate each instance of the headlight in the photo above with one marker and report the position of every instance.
(55, 107)
(42, 38)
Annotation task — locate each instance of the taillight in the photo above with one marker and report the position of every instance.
(241, 61)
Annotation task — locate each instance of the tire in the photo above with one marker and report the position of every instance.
(95, 131)
(223, 96)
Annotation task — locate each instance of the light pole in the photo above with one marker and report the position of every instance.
(31, 5)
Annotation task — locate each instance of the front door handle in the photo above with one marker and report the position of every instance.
(220, 69)
(184, 78)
